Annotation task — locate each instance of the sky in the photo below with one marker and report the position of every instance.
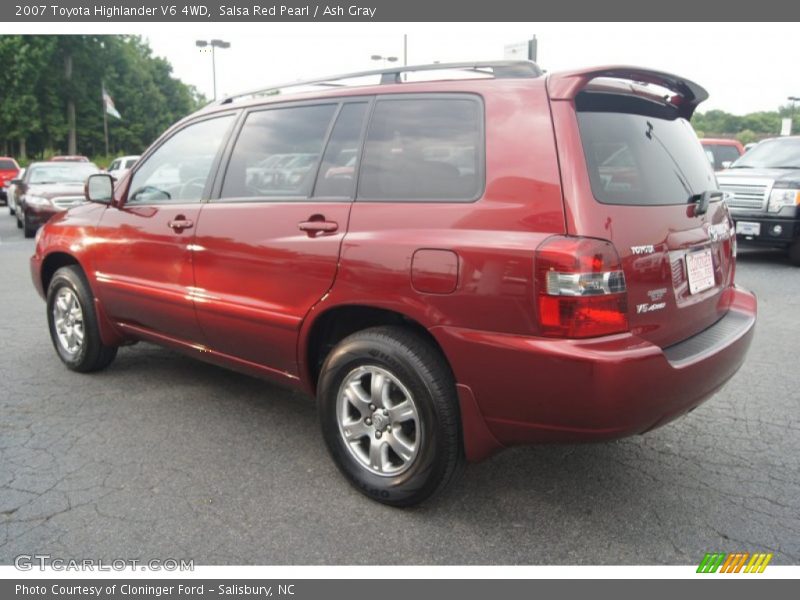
(746, 67)
(743, 66)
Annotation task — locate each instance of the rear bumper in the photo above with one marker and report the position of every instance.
(531, 390)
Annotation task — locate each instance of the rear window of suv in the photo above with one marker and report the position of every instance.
(7, 165)
(635, 159)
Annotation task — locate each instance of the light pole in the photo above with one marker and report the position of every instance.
(792, 99)
(385, 59)
(214, 44)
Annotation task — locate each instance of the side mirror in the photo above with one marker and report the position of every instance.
(99, 188)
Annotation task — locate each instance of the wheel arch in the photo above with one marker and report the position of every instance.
(53, 262)
(57, 259)
(323, 331)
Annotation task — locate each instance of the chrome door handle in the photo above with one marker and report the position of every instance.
(318, 226)
(180, 223)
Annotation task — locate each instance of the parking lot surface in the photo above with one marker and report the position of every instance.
(164, 457)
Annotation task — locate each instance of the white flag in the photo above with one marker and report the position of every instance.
(108, 103)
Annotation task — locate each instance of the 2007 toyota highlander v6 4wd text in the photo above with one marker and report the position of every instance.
(450, 266)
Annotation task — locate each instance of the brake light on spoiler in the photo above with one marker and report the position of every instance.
(580, 288)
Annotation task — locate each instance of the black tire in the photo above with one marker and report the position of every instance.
(92, 355)
(10, 208)
(19, 219)
(29, 230)
(794, 253)
(421, 368)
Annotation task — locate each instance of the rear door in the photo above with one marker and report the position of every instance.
(634, 173)
(267, 248)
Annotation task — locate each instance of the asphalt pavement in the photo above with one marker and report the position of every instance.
(164, 457)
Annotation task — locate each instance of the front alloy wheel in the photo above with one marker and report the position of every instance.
(72, 320)
(68, 321)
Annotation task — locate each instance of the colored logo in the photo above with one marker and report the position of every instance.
(736, 562)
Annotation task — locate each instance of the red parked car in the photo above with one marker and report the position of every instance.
(9, 169)
(510, 259)
(722, 152)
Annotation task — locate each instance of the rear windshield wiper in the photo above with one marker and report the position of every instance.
(701, 201)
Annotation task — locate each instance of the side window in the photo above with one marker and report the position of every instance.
(336, 177)
(178, 170)
(424, 150)
(113, 166)
(277, 152)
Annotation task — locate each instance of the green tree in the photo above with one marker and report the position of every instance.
(751, 127)
(51, 94)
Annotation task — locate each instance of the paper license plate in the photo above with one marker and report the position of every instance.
(748, 228)
(700, 270)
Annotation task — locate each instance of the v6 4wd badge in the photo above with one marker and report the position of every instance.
(646, 308)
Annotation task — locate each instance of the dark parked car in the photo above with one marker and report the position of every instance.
(9, 170)
(49, 188)
(510, 259)
(764, 187)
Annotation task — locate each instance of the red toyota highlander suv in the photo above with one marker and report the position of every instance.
(496, 257)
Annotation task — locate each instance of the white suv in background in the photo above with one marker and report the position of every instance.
(121, 165)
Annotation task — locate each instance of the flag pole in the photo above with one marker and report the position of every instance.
(105, 114)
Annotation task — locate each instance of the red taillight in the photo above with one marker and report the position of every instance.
(580, 288)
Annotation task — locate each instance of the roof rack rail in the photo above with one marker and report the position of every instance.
(502, 69)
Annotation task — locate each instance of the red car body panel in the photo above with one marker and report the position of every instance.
(584, 390)
(244, 287)
(249, 286)
(143, 269)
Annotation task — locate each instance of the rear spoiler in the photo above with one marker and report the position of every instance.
(566, 85)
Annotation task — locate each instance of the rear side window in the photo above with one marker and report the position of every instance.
(423, 149)
(7, 165)
(643, 160)
(277, 152)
